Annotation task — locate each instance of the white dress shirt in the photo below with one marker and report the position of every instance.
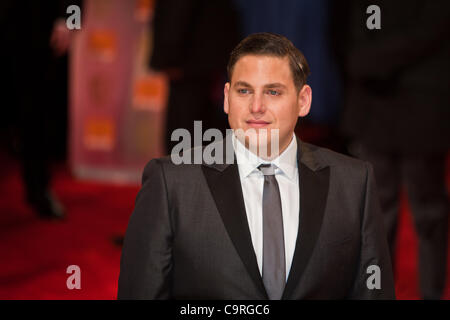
(252, 181)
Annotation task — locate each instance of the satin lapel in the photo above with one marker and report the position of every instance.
(314, 183)
(225, 186)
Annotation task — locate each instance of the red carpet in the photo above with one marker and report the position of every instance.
(35, 253)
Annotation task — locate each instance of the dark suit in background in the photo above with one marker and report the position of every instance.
(397, 115)
(192, 40)
(35, 96)
(188, 237)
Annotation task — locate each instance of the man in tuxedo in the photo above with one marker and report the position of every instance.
(300, 222)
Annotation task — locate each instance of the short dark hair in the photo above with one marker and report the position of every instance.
(271, 44)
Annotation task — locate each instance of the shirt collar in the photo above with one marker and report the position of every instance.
(248, 162)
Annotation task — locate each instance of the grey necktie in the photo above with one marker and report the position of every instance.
(274, 265)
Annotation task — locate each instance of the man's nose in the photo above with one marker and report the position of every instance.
(257, 105)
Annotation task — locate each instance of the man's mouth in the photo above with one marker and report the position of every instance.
(257, 123)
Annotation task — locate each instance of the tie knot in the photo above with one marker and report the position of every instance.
(267, 169)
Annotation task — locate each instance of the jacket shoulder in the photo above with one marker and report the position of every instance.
(327, 157)
(170, 170)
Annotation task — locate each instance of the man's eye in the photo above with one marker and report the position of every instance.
(273, 92)
(243, 91)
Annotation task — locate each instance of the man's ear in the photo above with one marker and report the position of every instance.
(226, 90)
(304, 100)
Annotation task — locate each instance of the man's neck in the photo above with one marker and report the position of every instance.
(265, 152)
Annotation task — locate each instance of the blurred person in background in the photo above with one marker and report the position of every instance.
(397, 116)
(191, 42)
(34, 38)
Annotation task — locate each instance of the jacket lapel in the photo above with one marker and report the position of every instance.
(225, 185)
(314, 182)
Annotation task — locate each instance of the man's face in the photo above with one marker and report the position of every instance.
(262, 95)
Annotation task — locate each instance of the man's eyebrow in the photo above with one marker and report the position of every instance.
(275, 85)
(269, 85)
(242, 84)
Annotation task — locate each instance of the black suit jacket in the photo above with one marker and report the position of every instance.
(194, 36)
(398, 93)
(188, 237)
